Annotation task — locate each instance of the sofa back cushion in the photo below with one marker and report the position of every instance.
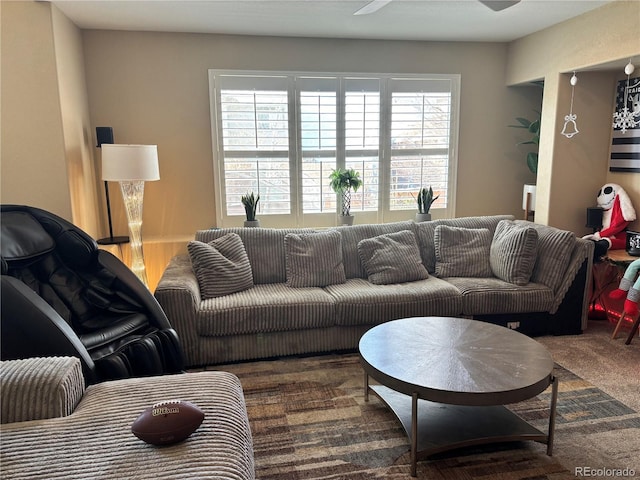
(425, 233)
(314, 259)
(462, 252)
(392, 258)
(554, 254)
(514, 251)
(352, 235)
(264, 247)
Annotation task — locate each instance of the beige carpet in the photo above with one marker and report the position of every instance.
(310, 421)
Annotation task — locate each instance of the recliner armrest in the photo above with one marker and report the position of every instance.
(39, 388)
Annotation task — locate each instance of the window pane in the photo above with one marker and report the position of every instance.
(366, 198)
(420, 119)
(317, 196)
(254, 120)
(411, 172)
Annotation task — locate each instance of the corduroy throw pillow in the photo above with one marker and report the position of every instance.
(513, 252)
(314, 259)
(221, 266)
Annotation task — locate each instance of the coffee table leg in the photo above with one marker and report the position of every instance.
(366, 387)
(552, 414)
(414, 433)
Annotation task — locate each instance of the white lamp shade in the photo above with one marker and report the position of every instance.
(130, 162)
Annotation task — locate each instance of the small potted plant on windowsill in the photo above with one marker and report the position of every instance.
(250, 202)
(425, 200)
(342, 182)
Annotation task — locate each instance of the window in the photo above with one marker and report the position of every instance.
(281, 134)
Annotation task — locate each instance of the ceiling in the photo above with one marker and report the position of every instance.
(430, 20)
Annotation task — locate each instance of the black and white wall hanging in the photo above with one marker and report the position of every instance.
(625, 142)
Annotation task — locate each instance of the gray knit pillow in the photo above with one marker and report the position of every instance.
(462, 252)
(392, 258)
(314, 259)
(513, 252)
(221, 266)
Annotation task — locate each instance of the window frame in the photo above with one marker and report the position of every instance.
(297, 218)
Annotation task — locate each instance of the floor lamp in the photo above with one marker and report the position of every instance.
(132, 165)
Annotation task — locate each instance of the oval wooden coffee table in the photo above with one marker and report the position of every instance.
(448, 379)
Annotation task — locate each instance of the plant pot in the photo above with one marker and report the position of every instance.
(423, 217)
(252, 223)
(346, 219)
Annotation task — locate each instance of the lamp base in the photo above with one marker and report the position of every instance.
(113, 240)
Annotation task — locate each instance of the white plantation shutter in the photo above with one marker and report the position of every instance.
(254, 123)
(362, 139)
(420, 140)
(318, 107)
(281, 134)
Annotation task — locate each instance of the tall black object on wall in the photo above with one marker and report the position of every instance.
(105, 135)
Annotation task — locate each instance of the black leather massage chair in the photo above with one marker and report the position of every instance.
(62, 295)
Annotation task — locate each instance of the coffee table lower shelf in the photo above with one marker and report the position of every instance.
(442, 427)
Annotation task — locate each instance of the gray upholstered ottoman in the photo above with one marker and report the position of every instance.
(90, 435)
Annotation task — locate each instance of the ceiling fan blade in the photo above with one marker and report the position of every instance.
(497, 5)
(371, 7)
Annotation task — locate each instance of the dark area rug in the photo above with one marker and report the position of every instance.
(310, 421)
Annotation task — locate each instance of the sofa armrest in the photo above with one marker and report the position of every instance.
(40, 388)
(178, 293)
(582, 251)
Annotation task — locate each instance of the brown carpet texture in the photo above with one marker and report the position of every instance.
(309, 421)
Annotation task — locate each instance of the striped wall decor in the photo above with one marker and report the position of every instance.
(625, 141)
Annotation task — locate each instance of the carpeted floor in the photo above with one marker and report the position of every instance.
(310, 421)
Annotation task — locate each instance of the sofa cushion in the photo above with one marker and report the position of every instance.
(462, 252)
(481, 296)
(554, 254)
(221, 266)
(359, 302)
(39, 388)
(314, 259)
(513, 252)
(425, 233)
(351, 236)
(268, 307)
(392, 258)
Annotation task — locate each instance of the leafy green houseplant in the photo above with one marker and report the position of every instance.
(533, 127)
(250, 202)
(342, 182)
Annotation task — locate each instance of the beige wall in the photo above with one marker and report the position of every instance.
(153, 88)
(571, 171)
(33, 164)
(45, 157)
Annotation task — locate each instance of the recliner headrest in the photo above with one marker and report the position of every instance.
(23, 238)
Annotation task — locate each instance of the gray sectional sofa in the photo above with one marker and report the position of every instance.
(54, 428)
(262, 292)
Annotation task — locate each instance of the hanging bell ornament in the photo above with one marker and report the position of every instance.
(570, 128)
(574, 80)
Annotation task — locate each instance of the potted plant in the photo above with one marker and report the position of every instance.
(529, 190)
(425, 199)
(250, 202)
(342, 182)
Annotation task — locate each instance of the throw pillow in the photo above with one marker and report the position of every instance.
(221, 266)
(513, 254)
(392, 258)
(462, 252)
(314, 259)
